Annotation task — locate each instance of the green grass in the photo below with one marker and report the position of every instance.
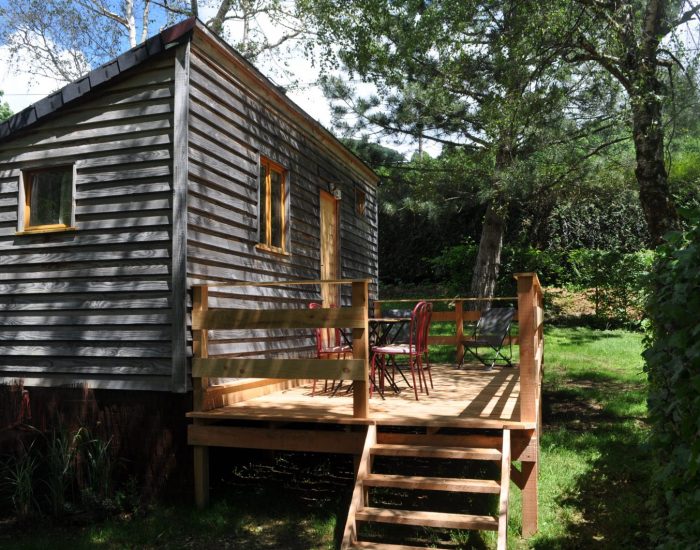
(594, 474)
(595, 466)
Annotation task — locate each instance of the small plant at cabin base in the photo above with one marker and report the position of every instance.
(62, 472)
(99, 464)
(60, 463)
(18, 481)
(129, 499)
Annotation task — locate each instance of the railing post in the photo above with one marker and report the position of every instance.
(360, 350)
(459, 329)
(377, 309)
(200, 340)
(528, 337)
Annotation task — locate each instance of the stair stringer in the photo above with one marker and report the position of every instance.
(505, 492)
(358, 495)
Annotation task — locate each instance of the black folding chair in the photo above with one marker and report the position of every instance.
(490, 332)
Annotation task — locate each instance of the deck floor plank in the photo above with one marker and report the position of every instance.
(470, 397)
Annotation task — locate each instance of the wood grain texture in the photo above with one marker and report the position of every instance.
(331, 369)
(467, 398)
(232, 124)
(94, 305)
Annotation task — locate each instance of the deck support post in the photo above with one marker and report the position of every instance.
(201, 476)
(360, 350)
(530, 337)
(529, 498)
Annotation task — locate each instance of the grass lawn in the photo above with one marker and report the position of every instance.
(593, 478)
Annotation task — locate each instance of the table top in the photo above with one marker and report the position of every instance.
(389, 319)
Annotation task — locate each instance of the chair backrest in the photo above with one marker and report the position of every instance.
(420, 325)
(326, 338)
(494, 324)
(424, 326)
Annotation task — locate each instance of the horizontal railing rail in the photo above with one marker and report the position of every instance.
(338, 369)
(354, 317)
(459, 316)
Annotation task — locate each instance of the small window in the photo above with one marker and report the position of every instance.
(360, 202)
(48, 199)
(271, 206)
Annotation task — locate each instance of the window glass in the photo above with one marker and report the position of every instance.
(262, 205)
(277, 212)
(49, 197)
(360, 202)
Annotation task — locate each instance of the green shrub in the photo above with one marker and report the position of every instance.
(618, 280)
(673, 365)
(455, 265)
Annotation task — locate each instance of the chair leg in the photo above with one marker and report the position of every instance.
(421, 373)
(427, 367)
(413, 374)
(461, 361)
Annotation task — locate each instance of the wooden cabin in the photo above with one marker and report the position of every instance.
(471, 415)
(175, 164)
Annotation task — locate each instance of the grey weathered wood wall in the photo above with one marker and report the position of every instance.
(166, 165)
(94, 305)
(232, 121)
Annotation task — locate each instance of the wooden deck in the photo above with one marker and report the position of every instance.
(466, 398)
(471, 414)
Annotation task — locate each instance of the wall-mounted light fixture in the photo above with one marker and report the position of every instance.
(334, 189)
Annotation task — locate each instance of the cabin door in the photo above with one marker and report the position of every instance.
(329, 249)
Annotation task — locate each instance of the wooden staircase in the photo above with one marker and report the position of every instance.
(492, 449)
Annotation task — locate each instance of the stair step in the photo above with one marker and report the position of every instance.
(380, 546)
(428, 451)
(433, 483)
(427, 519)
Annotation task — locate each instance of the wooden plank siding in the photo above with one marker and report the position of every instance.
(94, 305)
(165, 158)
(233, 122)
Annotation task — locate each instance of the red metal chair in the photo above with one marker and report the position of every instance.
(415, 349)
(329, 346)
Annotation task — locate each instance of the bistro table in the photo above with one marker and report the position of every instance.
(385, 331)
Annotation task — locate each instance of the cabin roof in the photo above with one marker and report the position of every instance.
(80, 90)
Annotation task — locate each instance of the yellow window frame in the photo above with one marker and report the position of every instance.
(265, 236)
(27, 188)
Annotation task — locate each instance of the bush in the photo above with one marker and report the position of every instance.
(673, 365)
(455, 265)
(619, 282)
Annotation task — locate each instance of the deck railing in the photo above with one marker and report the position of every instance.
(459, 316)
(354, 317)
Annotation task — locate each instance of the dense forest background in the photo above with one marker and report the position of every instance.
(589, 232)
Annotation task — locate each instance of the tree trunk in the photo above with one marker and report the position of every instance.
(654, 193)
(647, 125)
(488, 259)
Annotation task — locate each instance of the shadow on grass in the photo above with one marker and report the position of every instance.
(609, 498)
(579, 336)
